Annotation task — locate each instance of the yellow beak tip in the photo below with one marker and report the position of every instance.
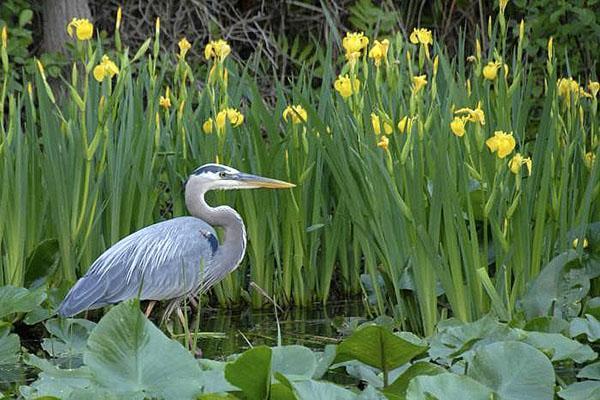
(283, 185)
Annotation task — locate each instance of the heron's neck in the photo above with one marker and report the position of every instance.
(231, 251)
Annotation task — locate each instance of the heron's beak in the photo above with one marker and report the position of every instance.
(255, 181)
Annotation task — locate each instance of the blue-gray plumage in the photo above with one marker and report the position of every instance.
(175, 258)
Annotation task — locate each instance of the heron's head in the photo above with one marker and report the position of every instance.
(222, 177)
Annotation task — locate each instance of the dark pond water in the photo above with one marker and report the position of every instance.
(231, 332)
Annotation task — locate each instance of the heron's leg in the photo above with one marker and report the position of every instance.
(150, 308)
(193, 301)
(185, 326)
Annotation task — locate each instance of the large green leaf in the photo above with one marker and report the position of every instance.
(378, 347)
(447, 386)
(251, 372)
(129, 355)
(325, 359)
(312, 390)
(295, 362)
(17, 300)
(561, 285)
(588, 326)
(213, 373)
(397, 390)
(592, 307)
(586, 390)
(364, 373)
(10, 347)
(55, 382)
(458, 339)
(560, 347)
(514, 370)
(279, 391)
(68, 337)
(591, 371)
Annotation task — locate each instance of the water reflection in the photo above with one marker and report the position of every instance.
(308, 327)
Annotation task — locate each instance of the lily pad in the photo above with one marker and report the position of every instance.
(69, 337)
(591, 371)
(321, 390)
(18, 300)
(128, 355)
(295, 362)
(514, 371)
(397, 390)
(592, 307)
(324, 360)
(560, 286)
(457, 339)
(213, 373)
(588, 326)
(586, 390)
(53, 382)
(251, 372)
(10, 347)
(559, 347)
(378, 347)
(447, 386)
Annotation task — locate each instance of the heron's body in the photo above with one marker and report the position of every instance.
(174, 258)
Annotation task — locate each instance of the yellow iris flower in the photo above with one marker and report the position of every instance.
(184, 46)
(82, 27)
(501, 143)
(353, 43)
(405, 124)
(517, 161)
(383, 143)
(207, 126)
(217, 50)
(165, 101)
(422, 36)
(476, 115)
(376, 122)
(457, 126)
(419, 82)
(490, 71)
(379, 51)
(568, 87)
(297, 114)
(106, 69)
(588, 159)
(232, 115)
(346, 86)
(594, 87)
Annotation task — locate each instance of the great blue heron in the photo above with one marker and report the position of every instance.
(175, 258)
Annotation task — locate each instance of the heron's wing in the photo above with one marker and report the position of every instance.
(161, 261)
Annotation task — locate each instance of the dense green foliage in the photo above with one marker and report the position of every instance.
(125, 356)
(567, 22)
(389, 203)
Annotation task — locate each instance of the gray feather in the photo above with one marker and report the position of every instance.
(162, 261)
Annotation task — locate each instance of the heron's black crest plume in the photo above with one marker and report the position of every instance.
(209, 168)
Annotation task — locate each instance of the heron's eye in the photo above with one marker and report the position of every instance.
(222, 174)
